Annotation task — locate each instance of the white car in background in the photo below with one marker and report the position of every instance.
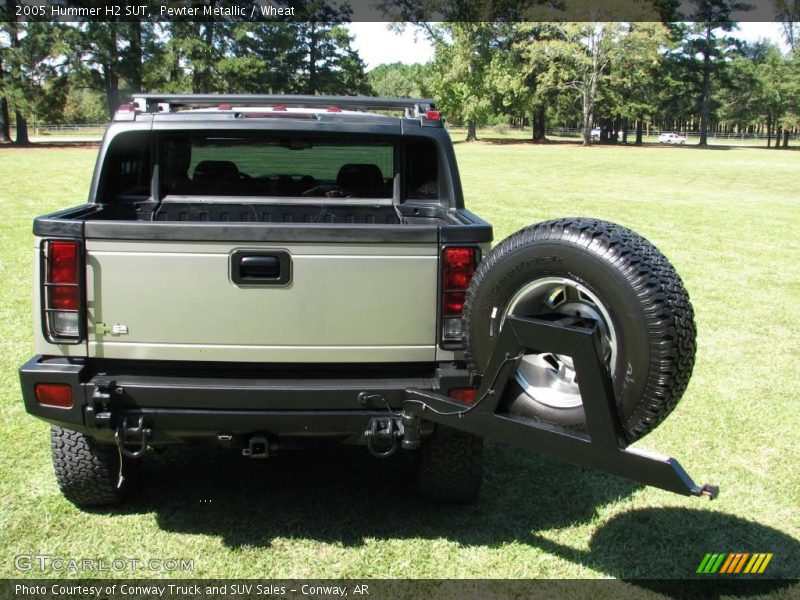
(671, 138)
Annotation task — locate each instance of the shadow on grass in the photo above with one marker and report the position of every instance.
(343, 495)
(652, 544)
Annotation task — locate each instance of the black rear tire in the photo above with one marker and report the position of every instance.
(619, 275)
(451, 466)
(88, 472)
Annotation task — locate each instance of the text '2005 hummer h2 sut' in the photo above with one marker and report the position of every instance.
(261, 272)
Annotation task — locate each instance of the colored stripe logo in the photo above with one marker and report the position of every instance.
(733, 563)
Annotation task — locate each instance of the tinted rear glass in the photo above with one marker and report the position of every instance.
(230, 166)
(126, 168)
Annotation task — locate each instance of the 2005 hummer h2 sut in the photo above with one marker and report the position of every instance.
(263, 272)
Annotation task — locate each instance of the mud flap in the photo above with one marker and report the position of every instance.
(602, 447)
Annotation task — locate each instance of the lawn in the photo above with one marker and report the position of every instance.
(729, 219)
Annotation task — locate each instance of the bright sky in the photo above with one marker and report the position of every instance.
(378, 45)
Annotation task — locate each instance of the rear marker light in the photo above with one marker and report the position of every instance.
(458, 267)
(54, 394)
(125, 112)
(334, 109)
(465, 395)
(433, 115)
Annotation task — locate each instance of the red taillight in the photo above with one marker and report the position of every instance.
(279, 107)
(458, 267)
(459, 257)
(224, 107)
(465, 395)
(62, 289)
(63, 263)
(334, 109)
(433, 115)
(64, 298)
(54, 394)
(126, 108)
(453, 304)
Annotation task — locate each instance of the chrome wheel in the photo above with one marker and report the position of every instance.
(550, 379)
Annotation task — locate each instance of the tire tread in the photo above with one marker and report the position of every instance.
(451, 466)
(86, 472)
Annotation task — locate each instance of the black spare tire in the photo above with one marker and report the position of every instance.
(593, 269)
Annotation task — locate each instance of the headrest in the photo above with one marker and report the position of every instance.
(215, 171)
(354, 175)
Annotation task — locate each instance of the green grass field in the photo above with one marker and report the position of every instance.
(729, 219)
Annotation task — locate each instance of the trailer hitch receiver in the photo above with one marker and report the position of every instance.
(602, 447)
(382, 435)
(138, 436)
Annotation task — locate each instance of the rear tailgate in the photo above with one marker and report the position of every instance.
(199, 300)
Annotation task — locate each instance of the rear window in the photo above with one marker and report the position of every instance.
(231, 166)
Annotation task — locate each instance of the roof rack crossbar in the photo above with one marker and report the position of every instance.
(163, 102)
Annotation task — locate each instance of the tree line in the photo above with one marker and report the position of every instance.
(81, 72)
(622, 77)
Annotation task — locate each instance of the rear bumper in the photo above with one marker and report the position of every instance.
(186, 402)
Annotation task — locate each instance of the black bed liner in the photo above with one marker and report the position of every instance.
(275, 213)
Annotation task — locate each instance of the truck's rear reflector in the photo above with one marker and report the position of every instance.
(54, 394)
(458, 267)
(465, 395)
(62, 290)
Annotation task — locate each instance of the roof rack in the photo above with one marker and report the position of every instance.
(412, 107)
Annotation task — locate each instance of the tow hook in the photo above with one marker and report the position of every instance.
(382, 435)
(138, 435)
